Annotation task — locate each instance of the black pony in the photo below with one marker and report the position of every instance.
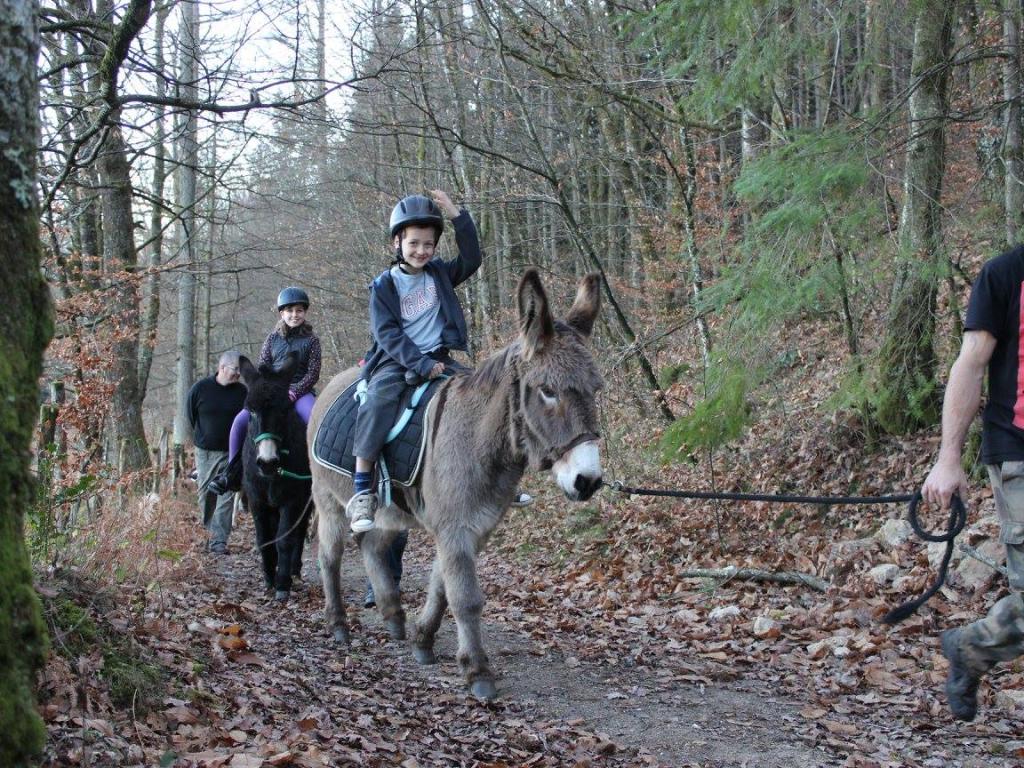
(276, 478)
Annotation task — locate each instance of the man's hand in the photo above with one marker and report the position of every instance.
(444, 203)
(436, 371)
(946, 478)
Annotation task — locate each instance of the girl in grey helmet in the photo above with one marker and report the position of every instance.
(291, 334)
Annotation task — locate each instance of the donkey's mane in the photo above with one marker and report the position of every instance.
(489, 374)
(265, 390)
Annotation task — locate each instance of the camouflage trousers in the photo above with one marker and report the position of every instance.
(999, 636)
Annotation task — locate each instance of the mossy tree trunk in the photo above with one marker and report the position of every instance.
(906, 398)
(25, 315)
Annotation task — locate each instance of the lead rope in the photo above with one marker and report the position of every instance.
(957, 521)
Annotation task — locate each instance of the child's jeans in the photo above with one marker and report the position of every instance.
(378, 412)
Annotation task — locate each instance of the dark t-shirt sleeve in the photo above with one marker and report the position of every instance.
(192, 405)
(986, 310)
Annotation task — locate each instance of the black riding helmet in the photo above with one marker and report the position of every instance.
(416, 209)
(292, 295)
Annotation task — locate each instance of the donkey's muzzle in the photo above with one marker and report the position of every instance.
(586, 486)
(268, 467)
(578, 473)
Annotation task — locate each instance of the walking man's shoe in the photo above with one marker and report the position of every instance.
(228, 480)
(962, 683)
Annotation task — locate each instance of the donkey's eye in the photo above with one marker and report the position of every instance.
(548, 396)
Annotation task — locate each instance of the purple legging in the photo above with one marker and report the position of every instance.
(240, 426)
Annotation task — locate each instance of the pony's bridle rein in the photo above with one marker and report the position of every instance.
(278, 439)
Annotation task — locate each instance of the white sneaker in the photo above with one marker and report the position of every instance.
(360, 509)
(522, 499)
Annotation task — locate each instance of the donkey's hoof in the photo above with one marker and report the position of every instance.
(341, 636)
(281, 595)
(424, 656)
(396, 628)
(484, 690)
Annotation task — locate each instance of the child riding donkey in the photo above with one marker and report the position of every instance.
(416, 320)
(291, 334)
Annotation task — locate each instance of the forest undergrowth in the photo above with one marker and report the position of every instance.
(601, 585)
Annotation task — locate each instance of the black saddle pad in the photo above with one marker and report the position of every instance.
(332, 446)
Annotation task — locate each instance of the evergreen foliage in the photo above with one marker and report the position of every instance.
(811, 195)
(730, 50)
(715, 421)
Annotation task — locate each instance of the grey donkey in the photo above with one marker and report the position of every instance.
(530, 405)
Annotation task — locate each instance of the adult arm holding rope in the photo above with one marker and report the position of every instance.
(992, 345)
(959, 407)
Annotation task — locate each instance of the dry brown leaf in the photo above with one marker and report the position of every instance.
(842, 729)
(281, 758)
(247, 658)
(813, 713)
(233, 643)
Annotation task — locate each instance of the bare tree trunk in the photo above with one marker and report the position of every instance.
(689, 193)
(27, 321)
(188, 163)
(320, 105)
(151, 285)
(906, 398)
(125, 435)
(207, 360)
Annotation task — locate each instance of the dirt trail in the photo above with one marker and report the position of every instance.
(572, 698)
(681, 717)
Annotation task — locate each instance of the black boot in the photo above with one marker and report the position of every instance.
(230, 479)
(962, 682)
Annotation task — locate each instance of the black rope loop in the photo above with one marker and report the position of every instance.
(957, 521)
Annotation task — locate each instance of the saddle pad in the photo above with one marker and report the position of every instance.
(332, 446)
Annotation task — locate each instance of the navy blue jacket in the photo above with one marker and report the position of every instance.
(389, 339)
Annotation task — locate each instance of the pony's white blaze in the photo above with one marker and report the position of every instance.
(585, 460)
(266, 451)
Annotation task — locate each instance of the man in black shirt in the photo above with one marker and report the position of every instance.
(992, 345)
(212, 404)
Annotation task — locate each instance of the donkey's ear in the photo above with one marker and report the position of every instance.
(587, 305)
(247, 371)
(290, 361)
(536, 326)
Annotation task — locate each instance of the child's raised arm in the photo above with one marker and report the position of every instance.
(444, 203)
